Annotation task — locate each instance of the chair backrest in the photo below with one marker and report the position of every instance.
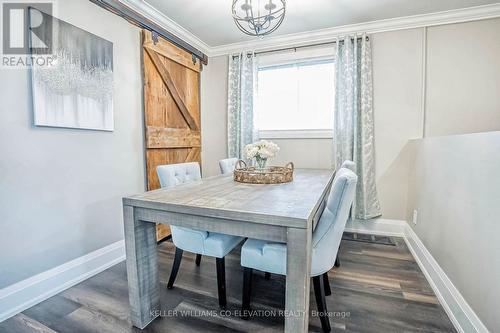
(175, 174)
(328, 232)
(349, 165)
(227, 165)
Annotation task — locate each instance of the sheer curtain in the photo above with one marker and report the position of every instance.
(353, 134)
(242, 88)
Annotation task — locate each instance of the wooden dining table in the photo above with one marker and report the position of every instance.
(284, 213)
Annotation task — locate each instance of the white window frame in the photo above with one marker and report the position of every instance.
(296, 134)
(292, 57)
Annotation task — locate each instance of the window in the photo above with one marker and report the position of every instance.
(296, 99)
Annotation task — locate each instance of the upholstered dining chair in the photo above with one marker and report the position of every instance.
(227, 165)
(196, 241)
(271, 257)
(351, 166)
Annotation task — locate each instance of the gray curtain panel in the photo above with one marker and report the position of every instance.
(242, 83)
(353, 134)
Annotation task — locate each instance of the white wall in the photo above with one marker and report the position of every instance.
(61, 189)
(463, 80)
(213, 115)
(455, 187)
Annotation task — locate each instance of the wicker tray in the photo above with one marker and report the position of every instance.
(269, 175)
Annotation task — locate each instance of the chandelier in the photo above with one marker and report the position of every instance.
(258, 17)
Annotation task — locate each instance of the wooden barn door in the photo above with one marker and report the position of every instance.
(171, 108)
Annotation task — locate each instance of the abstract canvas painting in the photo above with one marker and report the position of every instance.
(75, 90)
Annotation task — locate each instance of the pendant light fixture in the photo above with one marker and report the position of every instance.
(258, 17)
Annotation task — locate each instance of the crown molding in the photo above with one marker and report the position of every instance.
(153, 14)
(329, 34)
(316, 36)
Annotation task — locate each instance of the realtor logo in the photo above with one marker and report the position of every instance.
(20, 33)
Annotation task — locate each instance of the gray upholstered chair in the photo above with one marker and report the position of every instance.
(349, 165)
(227, 165)
(271, 257)
(196, 241)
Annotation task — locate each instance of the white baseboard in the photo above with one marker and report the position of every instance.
(24, 294)
(381, 227)
(458, 310)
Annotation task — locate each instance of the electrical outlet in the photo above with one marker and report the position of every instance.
(415, 216)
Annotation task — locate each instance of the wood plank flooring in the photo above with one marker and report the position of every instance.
(377, 288)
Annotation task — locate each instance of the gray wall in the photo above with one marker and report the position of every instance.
(305, 153)
(463, 80)
(61, 189)
(213, 115)
(455, 187)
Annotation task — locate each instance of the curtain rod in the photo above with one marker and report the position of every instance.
(294, 48)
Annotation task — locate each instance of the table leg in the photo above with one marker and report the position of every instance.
(298, 268)
(142, 269)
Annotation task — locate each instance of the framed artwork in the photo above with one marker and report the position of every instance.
(74, 89)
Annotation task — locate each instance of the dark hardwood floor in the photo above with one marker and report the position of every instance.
(377, 288)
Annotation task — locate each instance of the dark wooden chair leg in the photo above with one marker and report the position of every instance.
(319, 293)
(175, 268)
(337, 261)
(198, 259)
(221, 281)
(326, 284)
(247, 291)
(267, 276)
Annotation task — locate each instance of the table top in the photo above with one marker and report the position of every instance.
(291, 204)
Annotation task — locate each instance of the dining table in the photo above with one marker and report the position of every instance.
(286, 213)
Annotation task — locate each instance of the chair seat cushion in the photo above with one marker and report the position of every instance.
(271, 257)
(203, 242)
(264, 256)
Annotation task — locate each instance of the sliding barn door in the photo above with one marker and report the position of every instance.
(171, 108)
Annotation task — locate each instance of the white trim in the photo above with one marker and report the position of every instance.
(382, 227)
(315, 36)
(296, 134)
(458, 310)
(31, 291)
(329, 34)
(153, 14)
(456, 307)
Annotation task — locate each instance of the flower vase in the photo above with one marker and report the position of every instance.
(261, 162)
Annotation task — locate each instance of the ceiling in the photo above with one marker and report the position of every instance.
(211, 21)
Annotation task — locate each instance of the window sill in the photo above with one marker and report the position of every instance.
(296, 134)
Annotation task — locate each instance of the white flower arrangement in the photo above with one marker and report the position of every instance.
(261, 151)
